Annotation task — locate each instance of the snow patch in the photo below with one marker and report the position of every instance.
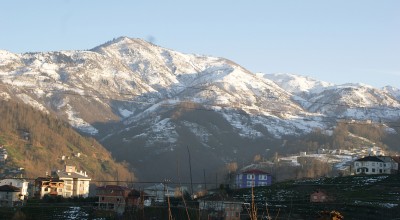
(125, 113)
(78, 122)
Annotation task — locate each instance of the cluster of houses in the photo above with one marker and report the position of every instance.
(73, 183)
(67, 183)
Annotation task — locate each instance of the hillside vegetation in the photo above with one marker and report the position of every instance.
(38, 141)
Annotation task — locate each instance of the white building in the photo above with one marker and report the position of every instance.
(375, 165)
(76, 184)
(19, 183)
(159, 192)
(10, 196)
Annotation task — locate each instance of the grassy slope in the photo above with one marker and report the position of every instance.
(355, 197)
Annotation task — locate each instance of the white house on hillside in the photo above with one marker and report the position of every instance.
(375, 165)
(76, 184)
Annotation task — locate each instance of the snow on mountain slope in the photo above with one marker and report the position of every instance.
(142, 99)
(395, 92)
(297, 84)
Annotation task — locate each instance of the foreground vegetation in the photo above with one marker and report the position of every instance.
(355, 197)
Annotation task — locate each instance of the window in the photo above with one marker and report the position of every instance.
(373, 170)
(263, 177)
(102, 198)
(250, 176)
(357, 164)
(373, 164)
(249, 183)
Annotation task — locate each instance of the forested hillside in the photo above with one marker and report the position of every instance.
(345, 136)
(39, 143)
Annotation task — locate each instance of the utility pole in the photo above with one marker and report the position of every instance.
(190, 169)
(205, 183)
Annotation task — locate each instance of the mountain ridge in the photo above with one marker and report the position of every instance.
(137, 97)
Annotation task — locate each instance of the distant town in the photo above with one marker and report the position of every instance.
(118, 198)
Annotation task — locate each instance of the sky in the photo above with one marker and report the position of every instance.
(339, 41)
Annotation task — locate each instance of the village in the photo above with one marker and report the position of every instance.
(118, 197)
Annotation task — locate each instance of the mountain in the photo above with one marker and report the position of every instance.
(153, 107)
(40, 143)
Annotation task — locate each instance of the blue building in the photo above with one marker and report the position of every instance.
(253, 178)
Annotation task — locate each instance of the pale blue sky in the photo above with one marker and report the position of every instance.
(337, 41)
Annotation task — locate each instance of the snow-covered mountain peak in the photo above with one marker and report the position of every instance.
(297, 84)
(122, 44)
(355, 86)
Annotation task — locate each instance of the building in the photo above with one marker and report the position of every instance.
(218, 206)
(390, 165)
(375, 165)
(48, 186)
(112, 198)
(3, 154)
(76, 184)
(159, 192)
(10, 196)
(20, 183)
(134, 198)
(253, 178)
(319, 196)
(396, 160)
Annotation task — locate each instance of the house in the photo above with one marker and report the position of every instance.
(10, 196)
(375, 165)
(76, 184)
(218, 206)
(20, 183)
(112, 198)
(253, 178)
(134, 198)
(48, 186)
(138, 199)
(396, 160)
(157, 193)
(390, 165)
(319, 196)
